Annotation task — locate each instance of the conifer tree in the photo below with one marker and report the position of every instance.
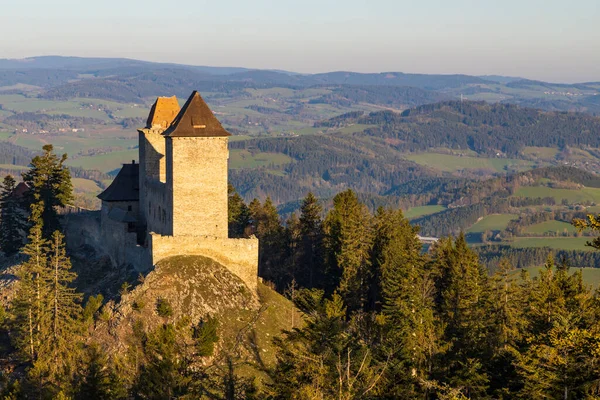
(65, 317)
(557, 361)
(293, 237)
(29, 305)
(407, 294)
(165, 374)
(12, 223)
(99, 380)
(326, 358)
(463, 296)
(505, 307)
(50, 183)
(268, 229)
(238, 215)
(348, 237)
(311, 251)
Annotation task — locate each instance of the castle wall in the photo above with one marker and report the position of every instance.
(156, 209)
(120, 243)
(152, 168)
(240, 256)
(197, 185)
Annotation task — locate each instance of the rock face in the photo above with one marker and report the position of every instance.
(194, 286)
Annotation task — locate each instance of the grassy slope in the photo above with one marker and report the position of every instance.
(550, 226)
(591, 276)
(571, 195)
(415, 212)
(564, 243)
(452, 163)
(493, 222)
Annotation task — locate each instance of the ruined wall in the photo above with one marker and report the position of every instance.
(240, 256)
(197, 185)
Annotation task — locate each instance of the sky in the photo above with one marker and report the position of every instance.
(550, 40)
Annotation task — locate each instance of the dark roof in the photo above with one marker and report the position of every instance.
(126, 185)
(195, 120)
(20, 190)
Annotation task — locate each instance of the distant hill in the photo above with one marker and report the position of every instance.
(127, 80)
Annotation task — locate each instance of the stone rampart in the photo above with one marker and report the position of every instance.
(240, 256)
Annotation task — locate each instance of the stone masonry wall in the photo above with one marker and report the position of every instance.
(152, 164)
(240, 256)
(158, 213)
(197, 185)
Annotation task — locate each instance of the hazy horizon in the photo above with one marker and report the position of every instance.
(542, 40)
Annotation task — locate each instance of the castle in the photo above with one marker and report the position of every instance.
(174, 202)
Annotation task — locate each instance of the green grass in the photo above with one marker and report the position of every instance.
(355, 128)
(571, 195)
(105, 162)
(546, 153)
(415, 212)
(550, 226)
(85, 185)
(591, 276)
(246, 159)
(558, 243)
(494, 222)
(452, 163)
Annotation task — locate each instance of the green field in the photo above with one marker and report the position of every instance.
(591, 276)
(246, 159)
(571, 195)
(105, 162)
(71, 143)
(559, 243)
(415, 212)
(85, 186)
(452, 163)
(546, 153)
(493, 222)
(550, 226)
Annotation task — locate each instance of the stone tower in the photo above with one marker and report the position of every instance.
(153, 163)
(175, 201)
(196, 172)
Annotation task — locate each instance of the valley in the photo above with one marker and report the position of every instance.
(396, 139)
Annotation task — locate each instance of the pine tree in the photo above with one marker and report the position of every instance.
(326, 358)
(238, 215)
(407, 294)
(99, 380)
(311, 251)
(65, 317)
(463, 296)
(29, 303)
(12, 223)
(348, 238)
(267, 227)
(505, 308)
(165, 373)
(50, 183)
(293, 237)
(558, 361)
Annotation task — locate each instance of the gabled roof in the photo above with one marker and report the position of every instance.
(162, 113)
(20, 190)
(126, 185)
(195, 120)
